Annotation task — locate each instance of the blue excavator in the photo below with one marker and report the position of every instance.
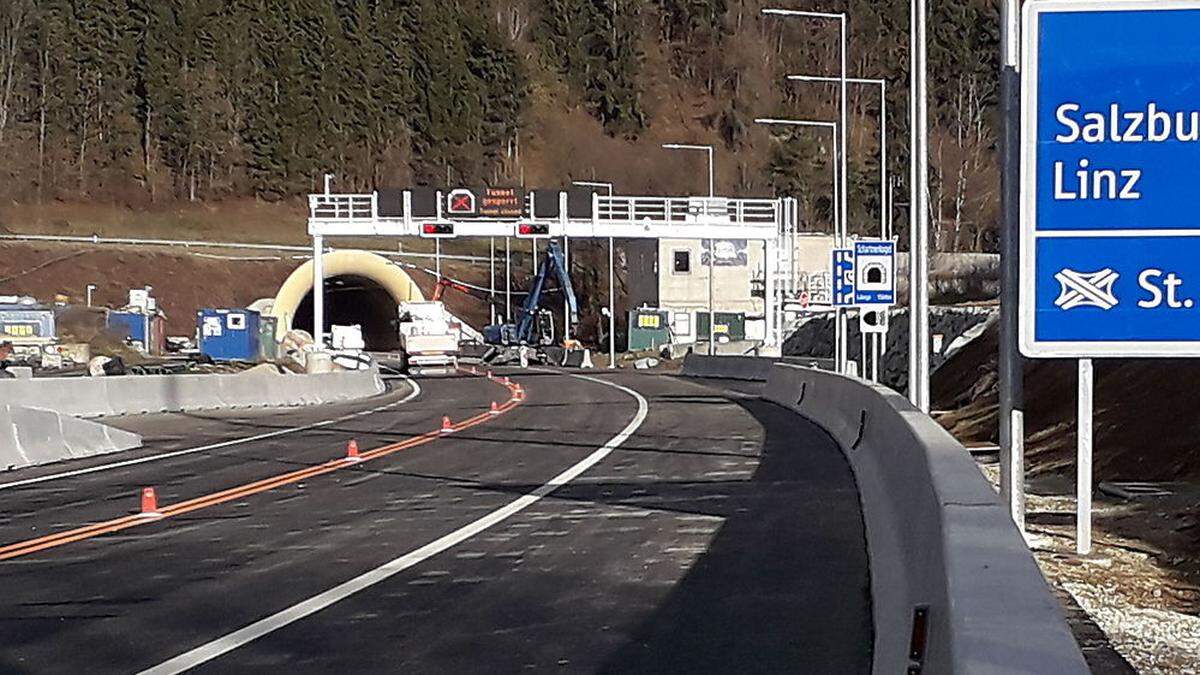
(533, 327)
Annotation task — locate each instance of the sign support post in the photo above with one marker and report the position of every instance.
(842, 275)
(318, 291)
(1083, 469)
(492, 278)
(1009, 363)
(612, 305)
(712, 317)
(566, 305)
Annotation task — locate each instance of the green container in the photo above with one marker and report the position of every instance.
(648, 329)
(268, 348)
(731, 325)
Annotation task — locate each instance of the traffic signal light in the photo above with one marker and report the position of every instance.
(533, 230)
(436, 230)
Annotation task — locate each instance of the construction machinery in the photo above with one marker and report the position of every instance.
(533, 328)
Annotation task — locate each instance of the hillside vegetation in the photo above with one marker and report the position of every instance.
(142, 104)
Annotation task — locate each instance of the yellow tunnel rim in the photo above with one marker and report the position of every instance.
(371, 266)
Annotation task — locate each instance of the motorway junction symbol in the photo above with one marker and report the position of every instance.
(1086, 290)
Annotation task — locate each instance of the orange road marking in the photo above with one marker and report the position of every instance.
(22, 548)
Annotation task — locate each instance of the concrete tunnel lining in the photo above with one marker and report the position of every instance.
(356, 282)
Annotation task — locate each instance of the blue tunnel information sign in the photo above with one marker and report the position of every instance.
(1110, 199)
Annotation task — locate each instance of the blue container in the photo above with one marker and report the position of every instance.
(134, 325)
(228, 334)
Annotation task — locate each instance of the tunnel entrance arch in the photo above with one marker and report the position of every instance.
(360, 288)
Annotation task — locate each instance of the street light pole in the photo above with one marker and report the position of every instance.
(839, 348)
(918, 304)
(878, 342)
(705, 148)
(884, 207)
(843, 196)
(712, 322)
(843, 201)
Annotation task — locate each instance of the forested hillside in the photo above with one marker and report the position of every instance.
(144, 102)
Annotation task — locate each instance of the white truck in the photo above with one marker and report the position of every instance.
(429, 335)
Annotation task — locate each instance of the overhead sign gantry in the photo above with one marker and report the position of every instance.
(501, 212)
(576, 213)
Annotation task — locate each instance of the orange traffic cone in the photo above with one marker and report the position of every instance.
(352, 451)
(506, 380)
(495, 409)
(446, 426)
(150, 503)
(489, 374)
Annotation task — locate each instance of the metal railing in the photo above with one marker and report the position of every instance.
(343, 206)
(608, 210)
(683, 210)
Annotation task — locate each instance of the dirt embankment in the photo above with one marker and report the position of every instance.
(186, 280)
(183, 282)
(1145, 423)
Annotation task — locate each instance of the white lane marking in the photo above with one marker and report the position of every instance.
(416, 391)
(240, 637)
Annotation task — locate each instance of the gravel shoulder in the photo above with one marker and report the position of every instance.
(1134, 603)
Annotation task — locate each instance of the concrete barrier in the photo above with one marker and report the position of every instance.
(938, 539)
(40, 418)
(136, 394)
(30, 436)
(727, 367)
(751, 368)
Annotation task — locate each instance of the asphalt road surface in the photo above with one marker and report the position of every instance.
(605, 523)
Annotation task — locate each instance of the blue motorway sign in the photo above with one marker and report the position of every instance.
(842, 271)
(875, 272)
(1110, 198)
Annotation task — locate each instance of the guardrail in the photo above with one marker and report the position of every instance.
(954, 588)
(192, 243)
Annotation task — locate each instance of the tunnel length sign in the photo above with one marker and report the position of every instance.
(1110, 197)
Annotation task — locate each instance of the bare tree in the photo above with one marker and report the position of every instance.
(512, 21)
(13, 17)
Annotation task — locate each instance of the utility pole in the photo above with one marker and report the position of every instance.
(1011, 418)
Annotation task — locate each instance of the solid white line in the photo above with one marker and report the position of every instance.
(416, 391)
(222, 645)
